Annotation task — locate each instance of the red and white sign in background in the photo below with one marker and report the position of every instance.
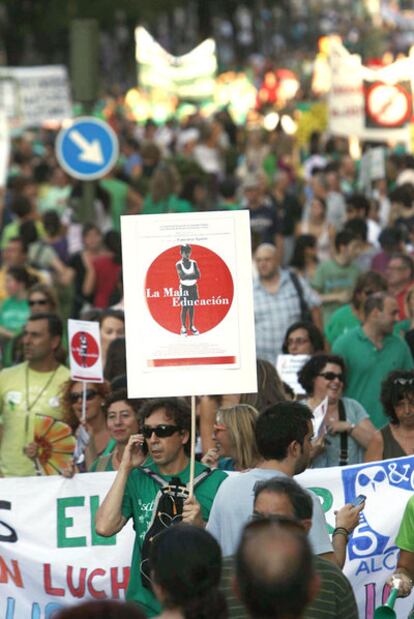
(188, 304)
(85, 351)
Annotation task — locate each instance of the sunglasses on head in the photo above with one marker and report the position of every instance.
(162, 431)
(90, 394)
(332, 376)
(38, 302)
(403, 381)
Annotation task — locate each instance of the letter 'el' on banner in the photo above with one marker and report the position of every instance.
(85, 354)
(188, 299)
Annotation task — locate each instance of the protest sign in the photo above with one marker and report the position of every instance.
(371, 104)
(51, 556)
(188, 304)
(288, 367)
(85, 355)
(190, 76)
(4, 148)
(38, 94)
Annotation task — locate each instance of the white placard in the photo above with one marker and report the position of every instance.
(188, 313)
(288, 367)
(85, 354)
(32, 96)
(4, 148)
(319, 416)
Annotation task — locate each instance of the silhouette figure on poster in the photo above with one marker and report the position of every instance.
(83, 349)
(188, 273)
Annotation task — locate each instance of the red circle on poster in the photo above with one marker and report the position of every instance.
(191, 292)
(84, 349)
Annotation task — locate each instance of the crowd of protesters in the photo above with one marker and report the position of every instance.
(333, 279)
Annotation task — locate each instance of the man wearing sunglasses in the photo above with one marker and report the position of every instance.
(135, 490)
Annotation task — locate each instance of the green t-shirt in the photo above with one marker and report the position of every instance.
(138, 504)
(333, 277)
(172, 204)
(118, 191)
(13, 316)
(367, 366)
(341, 321)
(19, 385)
(405, 537)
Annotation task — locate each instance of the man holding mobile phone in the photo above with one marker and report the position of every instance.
(155, 496)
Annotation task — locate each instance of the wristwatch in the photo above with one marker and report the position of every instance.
(351, 428)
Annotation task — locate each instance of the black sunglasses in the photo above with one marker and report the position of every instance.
(38, 302)
(90, 394)
(332, 376)
(161, 431)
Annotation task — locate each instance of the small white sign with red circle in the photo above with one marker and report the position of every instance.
(85, 351)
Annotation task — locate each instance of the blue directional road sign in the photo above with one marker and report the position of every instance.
(87, 149)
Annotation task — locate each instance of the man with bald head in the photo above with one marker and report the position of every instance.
(280, 299)
(275, 573)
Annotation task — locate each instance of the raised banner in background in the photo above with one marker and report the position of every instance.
(188, 304)
(33, 96)
(371, 104)
(4, 148)
(51, 556)
(190, 76)
(85, 354)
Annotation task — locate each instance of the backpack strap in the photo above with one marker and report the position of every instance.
(203, 475)
(343, 453)
(154, 476)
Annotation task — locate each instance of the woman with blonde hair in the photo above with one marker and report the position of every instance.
(235, 439)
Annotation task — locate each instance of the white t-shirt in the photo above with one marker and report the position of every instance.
(233, 506)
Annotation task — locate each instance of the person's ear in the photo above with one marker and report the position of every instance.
(307, 524)
(56, 341)
(294, 449)
(185, 436)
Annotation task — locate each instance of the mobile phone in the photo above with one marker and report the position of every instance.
(360, 499)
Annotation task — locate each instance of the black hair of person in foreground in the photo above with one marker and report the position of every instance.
(186, 568)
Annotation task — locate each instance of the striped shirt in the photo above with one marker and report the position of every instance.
(335, 600)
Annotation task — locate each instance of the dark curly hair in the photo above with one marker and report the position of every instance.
(394, 388)
(315, 335)
(313, 368)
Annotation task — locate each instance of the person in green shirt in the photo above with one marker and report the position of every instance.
(124, 199)
(405, 542)
(371, 352)
(350, 315)
(335, 279)
(162, 196)
(122, 420)
(15, 310)
(133, 494)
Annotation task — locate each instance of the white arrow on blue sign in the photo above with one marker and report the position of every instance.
(87, 149)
